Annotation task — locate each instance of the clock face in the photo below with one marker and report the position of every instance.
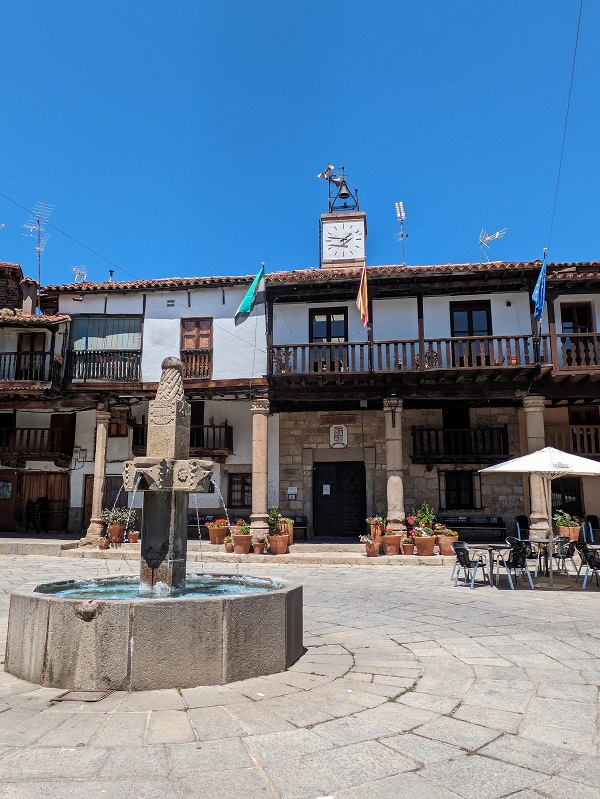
(343, 240)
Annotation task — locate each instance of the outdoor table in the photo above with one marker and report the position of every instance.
(491, 550)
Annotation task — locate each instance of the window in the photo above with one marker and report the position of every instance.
(240, 491)
(576, 318)
(118, 427)
(577, 348)
(566, 494)
(459, 490)
(468, 319)
(106, 333)
(329, 325)
(196, 347)
(31, 361)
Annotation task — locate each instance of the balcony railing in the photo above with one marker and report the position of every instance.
(472, 352)
(578, 351)
(445, 445)
(32, 366)
(577, 439)
(32, 443)
(114, 366)
(196, 363)
(204, 437)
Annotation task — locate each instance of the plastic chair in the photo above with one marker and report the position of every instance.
(522, 525)
(516, 561)
(467, 563)
(591, 560)
(565, 549)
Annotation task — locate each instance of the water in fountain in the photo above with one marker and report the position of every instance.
(199, 532)
(133, 493)
(218, 490)
(117, 497)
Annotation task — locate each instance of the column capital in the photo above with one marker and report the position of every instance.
(534, 403)
(260, 405)
(103, 416)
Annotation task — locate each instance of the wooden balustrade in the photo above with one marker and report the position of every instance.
(117, 366)
(350, 357)
(578, 439)
(448, 445)
(33, 366)
(196, 363)
(33, 443)
(578, 351)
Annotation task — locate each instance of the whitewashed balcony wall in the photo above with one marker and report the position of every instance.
(291, 321)
(513, 320)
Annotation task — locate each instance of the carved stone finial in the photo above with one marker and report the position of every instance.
(170, 388)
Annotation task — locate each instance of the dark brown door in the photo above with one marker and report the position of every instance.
(339, 500)
(64, 424)
(31, 360)
(54, 486)
(8, 494)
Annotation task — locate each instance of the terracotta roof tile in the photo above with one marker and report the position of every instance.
(41, 320)
(159, 283)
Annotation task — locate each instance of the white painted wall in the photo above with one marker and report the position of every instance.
(395, 319)
(577, 298)
(291, 321)
(513, 320)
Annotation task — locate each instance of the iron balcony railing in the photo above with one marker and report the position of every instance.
(203, 437)
(114, 366)
(31, 366)
(450, 445)
(33, 443)
(577, 439)
(411, 355)
(196, 363)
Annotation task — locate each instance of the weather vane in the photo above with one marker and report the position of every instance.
(484, 240)
(339, 191)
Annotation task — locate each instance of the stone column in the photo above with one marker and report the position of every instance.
(536, 439)
(394, 465)
(260, 512)
(95, 528)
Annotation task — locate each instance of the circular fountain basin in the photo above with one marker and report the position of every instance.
(104, 634)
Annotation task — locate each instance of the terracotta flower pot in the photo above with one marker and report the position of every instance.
(569, 532)
(134, 537)
(259, 548)
(287, 529)
(424, 545)
(103, 543)
(229, 546)
(392, 544)
(372, 550)
(278, 544)
(445, 544)
(377, 533)
(217, 534)
(408, 549)
(242, 544)
(234, 529)
(116, 533)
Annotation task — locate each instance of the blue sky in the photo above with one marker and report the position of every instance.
(184, 138)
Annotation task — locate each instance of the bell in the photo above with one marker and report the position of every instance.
(344, 192)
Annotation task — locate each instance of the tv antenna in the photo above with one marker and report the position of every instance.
(80, 273)
(484, 241)
(401, 218)
(35, 225)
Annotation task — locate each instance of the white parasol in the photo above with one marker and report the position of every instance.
(549, 463)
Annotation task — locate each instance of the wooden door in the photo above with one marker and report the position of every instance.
(339, 498)
(31, 358)
(65, 423)
(52, 485)
(8, 495)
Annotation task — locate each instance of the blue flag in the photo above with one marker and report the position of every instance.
(538, 296)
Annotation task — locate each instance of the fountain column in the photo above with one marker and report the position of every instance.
(96, 527)
(536, 439)
(260, 512)
(394, 464)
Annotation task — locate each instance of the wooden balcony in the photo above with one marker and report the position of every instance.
(434, 354)
(211, 440)
(445, 445)
(577, 352)
(581, 440)
(37, 367)
(33, 444)
(104, 366)
(197, 364)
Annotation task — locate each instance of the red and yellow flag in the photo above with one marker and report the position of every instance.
(362, 300)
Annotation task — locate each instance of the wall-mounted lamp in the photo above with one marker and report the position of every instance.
(393, 403)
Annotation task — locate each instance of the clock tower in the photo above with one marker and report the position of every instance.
(343, 230)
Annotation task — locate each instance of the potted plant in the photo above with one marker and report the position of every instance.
(422, 520)
(286, 526)
(242, 540)
(371, 547)
(103, 542)
(567, 525)
(377, 526)
(278, 542)
(116, 521)
(408, 545)
(273, 518)
(133, 536)
(259, 544)
(234, 528)
(228, 543)
(424, 540)
(446, 540)
(391, 542)
(218, 531)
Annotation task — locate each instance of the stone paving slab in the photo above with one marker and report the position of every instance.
(409, 688)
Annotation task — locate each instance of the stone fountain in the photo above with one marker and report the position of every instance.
(164, 631)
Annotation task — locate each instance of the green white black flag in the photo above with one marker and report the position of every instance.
(254, 296)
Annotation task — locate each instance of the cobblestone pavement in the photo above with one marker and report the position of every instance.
(409, 689)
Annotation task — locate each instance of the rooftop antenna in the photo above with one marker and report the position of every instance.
(485, 238)
(80, 273)
(35, 225)
(401, 217)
